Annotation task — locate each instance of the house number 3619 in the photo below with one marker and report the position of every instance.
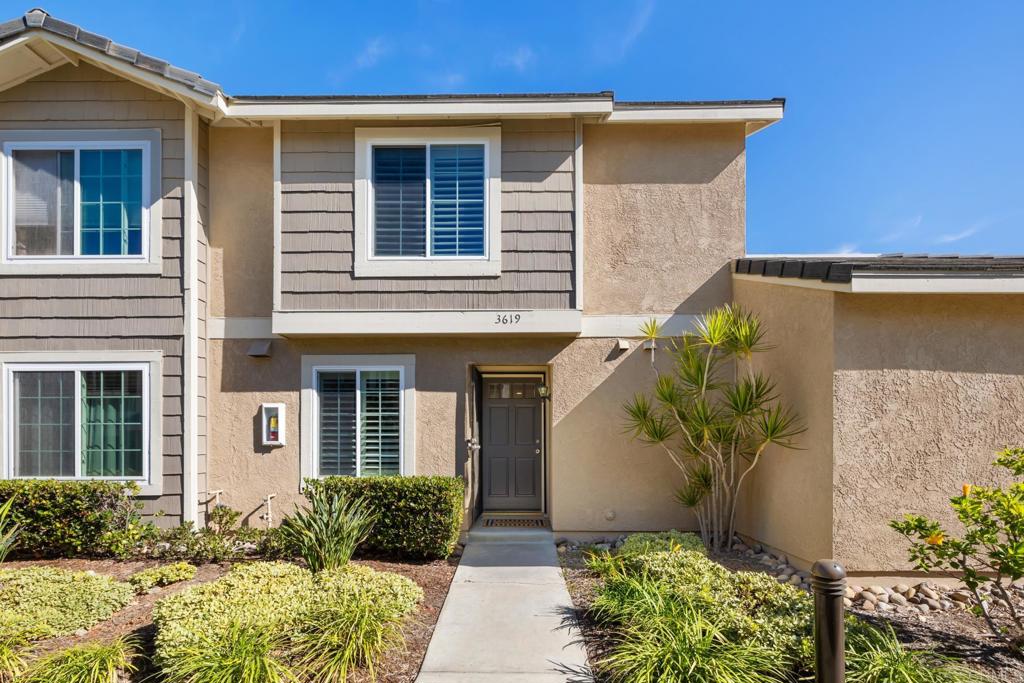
(507, 318)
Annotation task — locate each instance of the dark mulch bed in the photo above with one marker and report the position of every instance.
(956, 633)
(401, 666)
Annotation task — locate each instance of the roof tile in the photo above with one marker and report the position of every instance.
(60, 27)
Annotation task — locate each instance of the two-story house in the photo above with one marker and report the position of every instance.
(217, 296)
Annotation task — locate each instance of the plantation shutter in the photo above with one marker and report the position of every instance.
(337, 391)
(457, 200)
(400, 201)
(381, 422)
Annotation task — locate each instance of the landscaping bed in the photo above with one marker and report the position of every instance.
(136, 618)
(955, 635)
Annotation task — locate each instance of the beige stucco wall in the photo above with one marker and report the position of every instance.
(788, 504)
(927, 388)
(595, 471)
(242, 221)
(664, 211)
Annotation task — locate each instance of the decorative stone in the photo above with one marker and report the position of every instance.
(962, 597)
(932, 604)
(884, 597)
(923, 608)
(856, 588)
(868, 606)
(867, 596)
(80, 632)
(878, 590)
(897, 599)
(884, 607)
(928, 593)
(847, 602)
(758, 548)
(850, 593)
(901, 588)
(946, 605)
(910, 592)
(794, 579)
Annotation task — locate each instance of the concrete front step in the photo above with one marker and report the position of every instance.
(496, 534)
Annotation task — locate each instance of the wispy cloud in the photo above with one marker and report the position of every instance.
(520, 59)
(957, 236)
(901, 229)
(375, 49)
(448, 81)
(846, 248)
(636, 26)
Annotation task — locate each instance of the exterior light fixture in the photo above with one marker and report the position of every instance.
(544, 391)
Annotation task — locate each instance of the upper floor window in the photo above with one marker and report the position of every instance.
(428, 201)
(74, 198)
(439, 213)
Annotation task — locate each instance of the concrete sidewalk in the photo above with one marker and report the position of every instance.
(508, 617)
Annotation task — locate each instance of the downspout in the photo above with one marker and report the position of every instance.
(190, 295)
(577, 194)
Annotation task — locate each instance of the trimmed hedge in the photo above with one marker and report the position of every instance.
(164, 575)
(69, 518)
(417, 517)
(661, 541)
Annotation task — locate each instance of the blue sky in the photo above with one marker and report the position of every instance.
(903, 121)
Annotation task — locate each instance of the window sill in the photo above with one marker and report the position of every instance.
(85, 267)
(426, 268)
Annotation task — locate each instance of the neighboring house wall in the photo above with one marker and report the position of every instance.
(927, 389)
(664, 215)
(788, 500)
(906, 398)
(107, 312)
(317, 174)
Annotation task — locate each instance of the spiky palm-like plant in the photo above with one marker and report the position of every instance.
(713, 414)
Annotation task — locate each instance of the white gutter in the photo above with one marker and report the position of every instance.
(539, 107)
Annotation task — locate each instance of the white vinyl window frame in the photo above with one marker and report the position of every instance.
(309, 423)
(146, 140)
(366, 264)
(148, 363)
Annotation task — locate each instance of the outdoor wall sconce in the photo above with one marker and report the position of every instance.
(544, 391)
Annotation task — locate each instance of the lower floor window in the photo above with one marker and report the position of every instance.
(359, 421)
(79, 423)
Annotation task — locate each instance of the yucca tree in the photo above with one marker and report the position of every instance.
(712, 414)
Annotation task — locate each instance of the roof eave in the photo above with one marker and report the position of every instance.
(419, 108)
(757, 115)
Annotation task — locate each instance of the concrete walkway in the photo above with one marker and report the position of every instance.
(508, 616)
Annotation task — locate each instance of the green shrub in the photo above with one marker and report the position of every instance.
(12, 653)
(241, 653)
(162, 576)
(749, 606)
(51, 602)
(670, 640)
(8, 529)
(417, 517)
(665, 540)
(73, 518)
(875, 655)
(278, 598)
(327, 533)
(90, 663)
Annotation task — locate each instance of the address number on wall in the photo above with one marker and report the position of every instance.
(508, 318)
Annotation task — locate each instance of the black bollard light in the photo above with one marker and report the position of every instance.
(828, 581)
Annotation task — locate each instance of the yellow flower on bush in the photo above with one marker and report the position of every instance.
(935, 539)
(967, 490)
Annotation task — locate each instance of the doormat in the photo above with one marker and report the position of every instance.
(518, 522)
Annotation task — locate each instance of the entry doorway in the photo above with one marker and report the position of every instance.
(512, 444)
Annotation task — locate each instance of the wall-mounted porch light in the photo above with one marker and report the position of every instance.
(544, 391)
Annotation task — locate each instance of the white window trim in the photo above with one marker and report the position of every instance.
(309, 422)
(368, 265)
(146, 140)
(149, 362)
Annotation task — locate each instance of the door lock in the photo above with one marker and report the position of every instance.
(537, 451)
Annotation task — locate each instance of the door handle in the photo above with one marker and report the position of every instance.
(537, 451)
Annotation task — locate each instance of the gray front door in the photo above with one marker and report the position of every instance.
(512, 450)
